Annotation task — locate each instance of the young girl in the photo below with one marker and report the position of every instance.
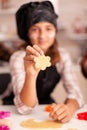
(37, 26)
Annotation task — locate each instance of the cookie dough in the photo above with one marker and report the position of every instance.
(31, 123)
(42, 62)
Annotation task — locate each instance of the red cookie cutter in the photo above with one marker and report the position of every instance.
(82, 116)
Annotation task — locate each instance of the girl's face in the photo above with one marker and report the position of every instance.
(43, 34)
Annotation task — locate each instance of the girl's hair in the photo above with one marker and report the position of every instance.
(84, 65)
(53, 52)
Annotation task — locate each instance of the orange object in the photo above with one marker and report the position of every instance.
(48, 108)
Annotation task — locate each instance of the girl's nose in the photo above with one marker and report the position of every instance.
(42, 34)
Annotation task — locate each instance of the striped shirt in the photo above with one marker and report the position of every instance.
(65, 68)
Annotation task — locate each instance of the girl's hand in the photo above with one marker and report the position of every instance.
(31, 53)
(61, 112)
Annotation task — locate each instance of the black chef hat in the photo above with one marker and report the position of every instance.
(32, 13)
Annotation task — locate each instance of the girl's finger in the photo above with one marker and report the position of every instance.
(55, 108)
(30, 50)
(65, 119)
(29, 57)
(62, 116)
(37, 48)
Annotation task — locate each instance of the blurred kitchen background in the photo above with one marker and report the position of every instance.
(72, 35)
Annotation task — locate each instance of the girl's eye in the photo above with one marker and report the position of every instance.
(49, 29)
(34, 29)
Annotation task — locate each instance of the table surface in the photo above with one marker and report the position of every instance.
(39, 115)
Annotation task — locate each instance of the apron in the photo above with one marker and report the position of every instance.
(46, 82)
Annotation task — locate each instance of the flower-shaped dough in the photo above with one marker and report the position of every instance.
(42, 62)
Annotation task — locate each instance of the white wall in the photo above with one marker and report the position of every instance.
(70, 9)
(67, 10)
(7, 17)
(59, 93)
